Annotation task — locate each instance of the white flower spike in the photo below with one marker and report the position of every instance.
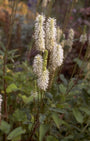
(50, 33)
(39, 34)
(43, 80)
(57, 56)
(38, 65)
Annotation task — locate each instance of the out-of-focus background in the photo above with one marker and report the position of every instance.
(69, 14)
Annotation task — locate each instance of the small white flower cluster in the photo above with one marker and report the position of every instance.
(71, 34)
(46, 40)
(0, 103)
(39, 34)
(83, 38)
(62, 43)
(50, 33)
(69, 41)
(34, 94)
(59, 34)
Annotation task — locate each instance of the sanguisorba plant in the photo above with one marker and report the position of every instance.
(50, 57)
(38, 109)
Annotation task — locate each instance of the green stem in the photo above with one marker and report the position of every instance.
(45, 56)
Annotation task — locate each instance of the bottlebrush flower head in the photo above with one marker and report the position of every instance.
(59, 34)
(39, 34)
(38, 65)
(56, 58)
(83, 38)
(43, 80)
(71, 34)
(50, 33)
(69, 41)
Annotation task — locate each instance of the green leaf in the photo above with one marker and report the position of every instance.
(42, 118)
(1, 53)
(1, 43)
(62, 88)
(30, 126)
(85, 109)
(57, 110)
(51, 138)
(49, 95)
(78, 61)
(68, 138)
(5, 127)
(71, 83)
(26, 99)
(78, 115)
(64, 80)
(15, 133)
(56, 119)
(17, 138)
(12, 87)
(8, 77)
(12, 52)
(19, 115)
(43, 130)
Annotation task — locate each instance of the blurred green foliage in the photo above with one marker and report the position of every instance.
(64, 114)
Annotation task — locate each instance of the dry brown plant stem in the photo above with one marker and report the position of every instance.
(68, 14)
(5, 62)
